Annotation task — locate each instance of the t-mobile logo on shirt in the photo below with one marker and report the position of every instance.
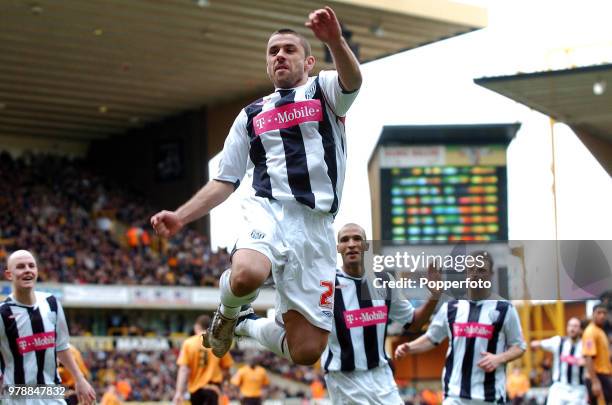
(473, 330)
(37, 341)
(287, 116)
(569, 359)
(365, 316)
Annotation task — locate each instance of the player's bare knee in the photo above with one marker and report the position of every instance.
(243, 282)
(249, 271)
(246, 279)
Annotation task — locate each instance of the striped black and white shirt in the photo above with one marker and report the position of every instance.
(357, 339)
(292, 143)
(474, 327)
(30, 336)
(566, 355)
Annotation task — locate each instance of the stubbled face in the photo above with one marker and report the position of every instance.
(22, 270)
(351, 244)
(286, 62)
(573, 328)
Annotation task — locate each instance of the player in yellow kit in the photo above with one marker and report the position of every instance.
(251, 379)
(199, 370)
(596, 352)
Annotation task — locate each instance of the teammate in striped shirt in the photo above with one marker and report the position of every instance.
(292, 144)
(33, 331)
(356, 365)
(568, 366)
(484, 333)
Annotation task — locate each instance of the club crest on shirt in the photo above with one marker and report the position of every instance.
(255, 234)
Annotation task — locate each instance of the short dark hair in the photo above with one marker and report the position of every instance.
(203, 321)
(302, 38)
(600, 306)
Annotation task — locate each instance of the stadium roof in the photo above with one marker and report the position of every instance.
(462, 134)
(83, 70)
(577, 97)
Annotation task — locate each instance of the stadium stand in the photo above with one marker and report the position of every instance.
(149, 375)
(82, 228)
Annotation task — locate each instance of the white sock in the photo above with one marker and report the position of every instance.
(271, 335)
(230, 304)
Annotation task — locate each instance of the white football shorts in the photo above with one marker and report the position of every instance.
(301, 245)
(363, 387)
(463, 401)
(565, 394)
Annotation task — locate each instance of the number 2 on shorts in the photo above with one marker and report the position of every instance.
(327, 295)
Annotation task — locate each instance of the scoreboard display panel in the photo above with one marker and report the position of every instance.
(443, 194)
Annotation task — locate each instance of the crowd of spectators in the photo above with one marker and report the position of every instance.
(67, 215)
(276, 364)
(151, 375)
(142, 376)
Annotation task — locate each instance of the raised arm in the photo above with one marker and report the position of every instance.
(168, 223)
(423, 313)
(209, 196)
(326, 27)
(231, 170)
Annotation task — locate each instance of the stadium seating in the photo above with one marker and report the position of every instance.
(76, 222)
(150, 374)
